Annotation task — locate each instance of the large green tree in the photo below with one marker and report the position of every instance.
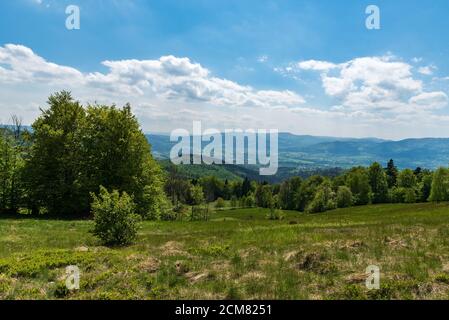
(378, 183)
(358, 181)
(440, 185)
(392, 173)
(289, 193)
(77, 150)
(53, 169)
(116, 155)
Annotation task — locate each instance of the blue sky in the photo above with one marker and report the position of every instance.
(307, 67)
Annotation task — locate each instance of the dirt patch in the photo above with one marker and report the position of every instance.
(315, 262)
(395, 243)
(289, 256)
(150, 265)
(253, 275)
(82, 249)
(194, 277)
(356, 278)
(352, 245)
(181, 267)
(172, 248)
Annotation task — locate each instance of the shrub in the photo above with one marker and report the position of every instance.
(115, 221)
(220, 203)
(344, 197)
(275, 214)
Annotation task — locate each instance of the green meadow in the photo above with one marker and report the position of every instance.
(237, 254)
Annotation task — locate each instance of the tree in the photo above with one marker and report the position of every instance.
(358, 181)
(406, 179)
(76, 150)
(213, 188)
(114, 217)
(117, 155)
(378, 182)
(392, 173)
(289, 193)
(344, 197)
(425, 186)
(440, 185)
(307, 191)
(323, 200)
(197, 200)
(264, 196)
(12, 152)
(52, 171)
(246, 187)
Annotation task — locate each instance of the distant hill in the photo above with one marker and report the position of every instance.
(305, 152)
(303, 155)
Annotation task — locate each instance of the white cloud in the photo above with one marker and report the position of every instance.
(21, 64)
(427, 70)
(373, 96)
(430, 100)
(168, 77)
(376, 84)
(316, 65)
(262, 59)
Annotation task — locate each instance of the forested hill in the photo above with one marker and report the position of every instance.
(307, 152)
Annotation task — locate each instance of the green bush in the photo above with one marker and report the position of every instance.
(220, 203)
(275, 214)
(344, 197)
(324, 200)
(115, 221)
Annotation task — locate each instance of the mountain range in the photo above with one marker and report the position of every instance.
(304, 153)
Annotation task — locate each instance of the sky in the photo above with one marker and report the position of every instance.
(305, 67)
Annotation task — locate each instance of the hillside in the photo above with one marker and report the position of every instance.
(303, 153)
(238, 254)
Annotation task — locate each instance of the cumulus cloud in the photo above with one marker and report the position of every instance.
(427, 70)
(168, 77)
(376, 84)
(430, 100)
(21, 64)
(316, 65)
(372, 96)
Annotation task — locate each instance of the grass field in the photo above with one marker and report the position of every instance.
(238, 254)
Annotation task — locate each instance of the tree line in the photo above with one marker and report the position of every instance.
(355, 187)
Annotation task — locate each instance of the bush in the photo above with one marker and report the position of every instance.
(220, 203)
(344, 197)
(275, 214)
(115, 221)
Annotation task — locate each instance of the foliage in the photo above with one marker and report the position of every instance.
(378, 183)
(440, 185)
(406, 179)
(114, 217)
(220, 203)
(74, 151)
(344, 197)
(324, 199)
(358, 181)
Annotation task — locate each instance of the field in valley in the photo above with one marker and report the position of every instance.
(238, 254)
